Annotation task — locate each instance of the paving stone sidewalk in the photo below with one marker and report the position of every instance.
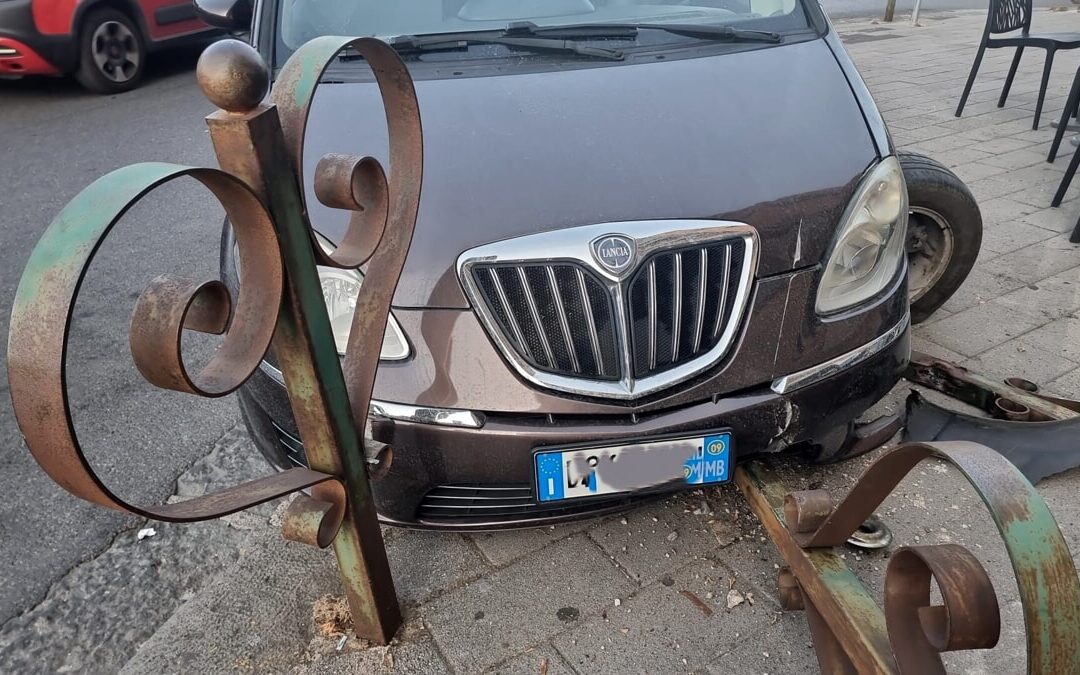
(646, 591)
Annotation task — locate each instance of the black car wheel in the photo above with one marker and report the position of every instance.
(111, 52)
(944, 233)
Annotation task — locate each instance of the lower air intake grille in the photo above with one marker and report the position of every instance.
(492, 503)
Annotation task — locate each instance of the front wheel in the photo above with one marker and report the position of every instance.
(944, 233)
(111, 52)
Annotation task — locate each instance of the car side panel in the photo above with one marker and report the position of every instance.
(166, 19)
(55, 17)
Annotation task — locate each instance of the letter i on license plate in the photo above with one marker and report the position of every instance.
(585, 472)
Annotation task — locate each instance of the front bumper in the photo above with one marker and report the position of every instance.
(481, 478)
(26, 51)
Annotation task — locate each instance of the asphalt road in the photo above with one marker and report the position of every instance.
(55, 140)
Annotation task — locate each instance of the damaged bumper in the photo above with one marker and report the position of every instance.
(444, 474)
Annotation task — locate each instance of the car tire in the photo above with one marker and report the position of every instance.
(944, 233)
(112, 52)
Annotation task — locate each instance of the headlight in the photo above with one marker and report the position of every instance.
(869, 247)
(340, 288)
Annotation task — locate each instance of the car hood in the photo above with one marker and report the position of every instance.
(772, 137)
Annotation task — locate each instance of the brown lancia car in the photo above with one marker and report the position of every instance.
(654, 239)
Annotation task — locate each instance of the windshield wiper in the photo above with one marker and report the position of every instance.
(458, 41)
(527, 35)
(720, 32)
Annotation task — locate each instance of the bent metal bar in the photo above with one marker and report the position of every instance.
(280, 307)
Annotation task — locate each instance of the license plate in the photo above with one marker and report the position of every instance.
(588, 472)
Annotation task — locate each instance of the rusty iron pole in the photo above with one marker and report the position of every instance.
(852, 634)
(279, 307)
(993, 396)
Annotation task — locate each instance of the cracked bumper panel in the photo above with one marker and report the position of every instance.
(456, 365)
(439, 462)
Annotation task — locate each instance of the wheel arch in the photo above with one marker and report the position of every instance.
(128, 7)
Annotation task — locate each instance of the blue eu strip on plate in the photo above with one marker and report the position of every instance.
(580, 472)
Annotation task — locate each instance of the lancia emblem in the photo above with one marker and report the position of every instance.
(614, 252)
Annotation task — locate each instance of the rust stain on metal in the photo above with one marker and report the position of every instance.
(983, 392)
(806, 510)
(278, 307)
(919, 631)
(316, 519)
(41, 326)
(968, 619)
(847, 611)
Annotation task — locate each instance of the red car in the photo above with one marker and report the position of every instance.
(103, 43)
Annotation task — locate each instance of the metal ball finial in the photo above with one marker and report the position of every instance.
(233, 76)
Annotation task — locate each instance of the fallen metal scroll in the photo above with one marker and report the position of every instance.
(278, 307)
(1038, 433)
(852, 634)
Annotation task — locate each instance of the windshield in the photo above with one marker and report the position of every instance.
(302, 20)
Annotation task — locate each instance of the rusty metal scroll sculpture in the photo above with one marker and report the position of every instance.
(851, 634)
(279, 305)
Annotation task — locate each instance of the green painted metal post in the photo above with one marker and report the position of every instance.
(279, 306)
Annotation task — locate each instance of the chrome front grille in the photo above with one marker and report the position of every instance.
(538, 308)
(679, 302)
(615, 310)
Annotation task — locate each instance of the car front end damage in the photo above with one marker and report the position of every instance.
(740, 279)
(453, 468)
(566, 346)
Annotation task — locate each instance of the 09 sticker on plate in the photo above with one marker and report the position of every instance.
(588, 472)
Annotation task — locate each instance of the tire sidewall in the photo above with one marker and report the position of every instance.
(88, 73)
(935, 188)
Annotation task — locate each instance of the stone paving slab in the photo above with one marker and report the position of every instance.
(502, 548)
(664, 629)
(653, 540)
(498, 616)
(645, 591)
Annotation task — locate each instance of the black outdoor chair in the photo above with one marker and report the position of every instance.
(1072, 108)
(1009, 16)
(1063, 187)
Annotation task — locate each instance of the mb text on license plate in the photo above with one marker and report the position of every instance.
(587, 472)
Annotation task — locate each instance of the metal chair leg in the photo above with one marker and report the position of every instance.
(1047, 66)
(1063, 187)
(1067, 111)
(971, 79)
(1011, 75)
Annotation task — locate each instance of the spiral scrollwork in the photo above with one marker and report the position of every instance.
(42, 319)
(919, 631)
(278, 304)
(358, 184)
(1046, 578)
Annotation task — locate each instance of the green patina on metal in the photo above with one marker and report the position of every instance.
(1040, 558)
(1046, 577)
(76, 232)
(280, 301)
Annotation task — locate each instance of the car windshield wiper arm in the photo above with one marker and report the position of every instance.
(527, 35)
(700, 31)
(452, 41)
